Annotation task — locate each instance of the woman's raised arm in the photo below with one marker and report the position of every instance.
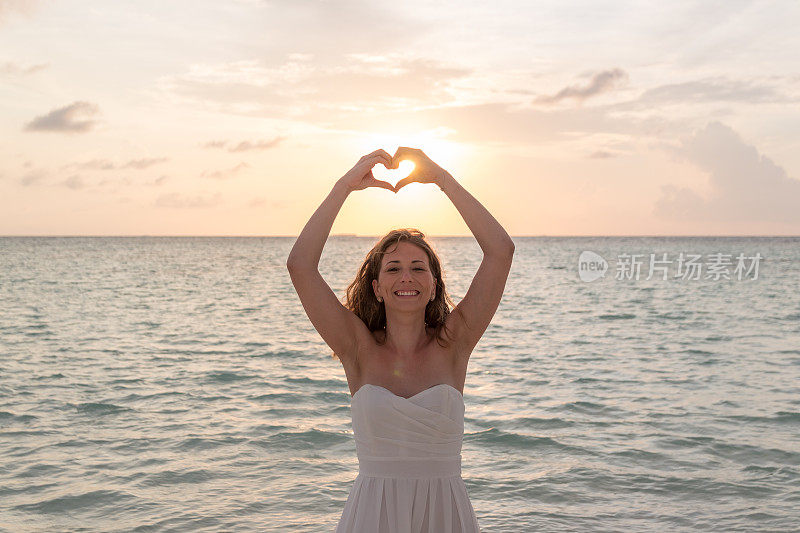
(336, 324)
(476, 309)
(307, 250)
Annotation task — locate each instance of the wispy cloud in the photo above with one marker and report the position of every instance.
(94, 164)
(105, 164)
(13, 69)
(600, 82)
(258, 145)
(300, 89)
(244, 146)
(503, 123)
(7, 7)
(225, 174)
(745, 185)
(177, 200)
(32, 178)
(214, 144)
(74, 182)
(719, 89)
(601, 154)
(345, 26)
(66, 119)
(144, 163)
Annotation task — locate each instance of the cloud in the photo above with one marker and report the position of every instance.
(717, 89)
(258, 145)
(388, 79)
(328, 29)
(244, 146)
(601, 82)
(114, 182)
(13, 69)
(65, 119)
(301, 89)
(225, 174)
(95, 164)
(32, 178)
(74, 182)
(144, 163)
(176, 200)
(214, 144)
(745, 185)
(501, 123)
(105, 164)
(7, 7)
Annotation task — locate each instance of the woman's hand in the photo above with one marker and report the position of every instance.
(425, 170)
(360, 176)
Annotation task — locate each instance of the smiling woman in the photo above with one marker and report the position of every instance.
(404, 353)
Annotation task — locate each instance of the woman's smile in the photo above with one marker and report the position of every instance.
(406, 294)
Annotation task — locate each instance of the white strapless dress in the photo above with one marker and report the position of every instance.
(409, 464)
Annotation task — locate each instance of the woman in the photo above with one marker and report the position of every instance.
(404, 354)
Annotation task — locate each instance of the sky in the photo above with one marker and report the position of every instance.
(561, 118)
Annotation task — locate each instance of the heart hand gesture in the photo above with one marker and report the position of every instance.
(360, 176)
(425, 170)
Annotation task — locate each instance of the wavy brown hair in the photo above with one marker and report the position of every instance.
(361, 298)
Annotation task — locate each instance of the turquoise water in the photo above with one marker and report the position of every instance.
(175, 384)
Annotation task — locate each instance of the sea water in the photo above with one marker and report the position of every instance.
(176, 384)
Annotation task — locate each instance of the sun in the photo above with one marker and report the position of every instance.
(441, 151)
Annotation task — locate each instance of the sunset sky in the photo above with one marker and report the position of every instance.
(237, 117)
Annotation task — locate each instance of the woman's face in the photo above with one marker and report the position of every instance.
(405, 269)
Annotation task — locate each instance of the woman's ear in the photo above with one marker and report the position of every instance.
(375, 287)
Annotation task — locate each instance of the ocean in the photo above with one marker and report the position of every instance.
(176, 384)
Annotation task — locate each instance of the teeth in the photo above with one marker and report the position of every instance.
(407, 293)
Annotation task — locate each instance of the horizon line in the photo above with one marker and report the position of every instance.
(378, 236)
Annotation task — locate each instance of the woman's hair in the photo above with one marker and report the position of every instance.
(361, 298)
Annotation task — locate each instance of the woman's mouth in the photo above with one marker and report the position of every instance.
(406, 294)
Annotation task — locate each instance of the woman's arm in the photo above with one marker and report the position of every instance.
(491, 236)
(474, 312)
(337, 325)
(307, 250)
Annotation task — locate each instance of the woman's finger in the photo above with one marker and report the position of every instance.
(415, 155)
(383, 155)
(374, 159)
(382, 184)
(401, 153)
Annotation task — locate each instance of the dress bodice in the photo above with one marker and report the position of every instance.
(408, 437)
